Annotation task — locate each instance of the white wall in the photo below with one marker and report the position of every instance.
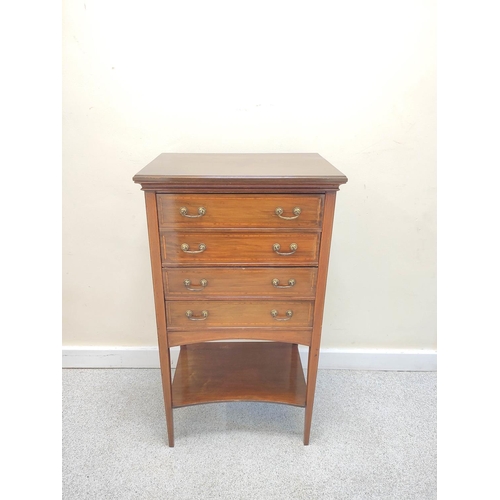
(353, 81)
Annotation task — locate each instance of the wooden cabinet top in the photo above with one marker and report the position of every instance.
(240, 172)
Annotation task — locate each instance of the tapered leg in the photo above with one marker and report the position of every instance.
(166, 380)
(312, 371)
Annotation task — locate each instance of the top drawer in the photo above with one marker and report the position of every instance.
(243, 210)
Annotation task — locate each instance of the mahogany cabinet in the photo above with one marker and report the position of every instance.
(239, 247)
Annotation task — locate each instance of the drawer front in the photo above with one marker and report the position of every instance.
(249, 211)
(194, 248)
(208, 314)
(195, 282)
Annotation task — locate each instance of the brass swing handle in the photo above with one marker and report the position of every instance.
(204, 315)
(185, 248)
(293, 248)
(201, 212)
(279, 212)
(274, 314)
(203, 284)
(276, 283)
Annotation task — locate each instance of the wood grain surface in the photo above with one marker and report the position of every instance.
(239, 371)
(233, 248)
(227, 314)
(246, 210)
(275, 172)
(239, 282)
(313, 357)
(161, 321)
(296, 336)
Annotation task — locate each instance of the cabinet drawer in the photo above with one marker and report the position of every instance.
(202, 315)
(194, 248)
(250, 211)
(197, 282)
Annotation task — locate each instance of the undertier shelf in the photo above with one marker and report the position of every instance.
(239, 371)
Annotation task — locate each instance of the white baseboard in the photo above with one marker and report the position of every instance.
(329, 359)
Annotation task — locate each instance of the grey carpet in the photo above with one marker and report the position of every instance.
(373, 437)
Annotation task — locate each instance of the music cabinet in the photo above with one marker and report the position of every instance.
(239, 247)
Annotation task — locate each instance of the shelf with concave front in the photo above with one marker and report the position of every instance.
(239, 371)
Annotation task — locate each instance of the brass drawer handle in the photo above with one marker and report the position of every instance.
(274, 314)
(203, 283)
(276, 283)
(293, 248)
(204, 315)
(279, 212)
(185, 248)
(201, 212)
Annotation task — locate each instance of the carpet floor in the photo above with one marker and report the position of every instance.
(373, 436)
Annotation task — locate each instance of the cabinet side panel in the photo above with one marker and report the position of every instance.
(324, 257)
(161, 320)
